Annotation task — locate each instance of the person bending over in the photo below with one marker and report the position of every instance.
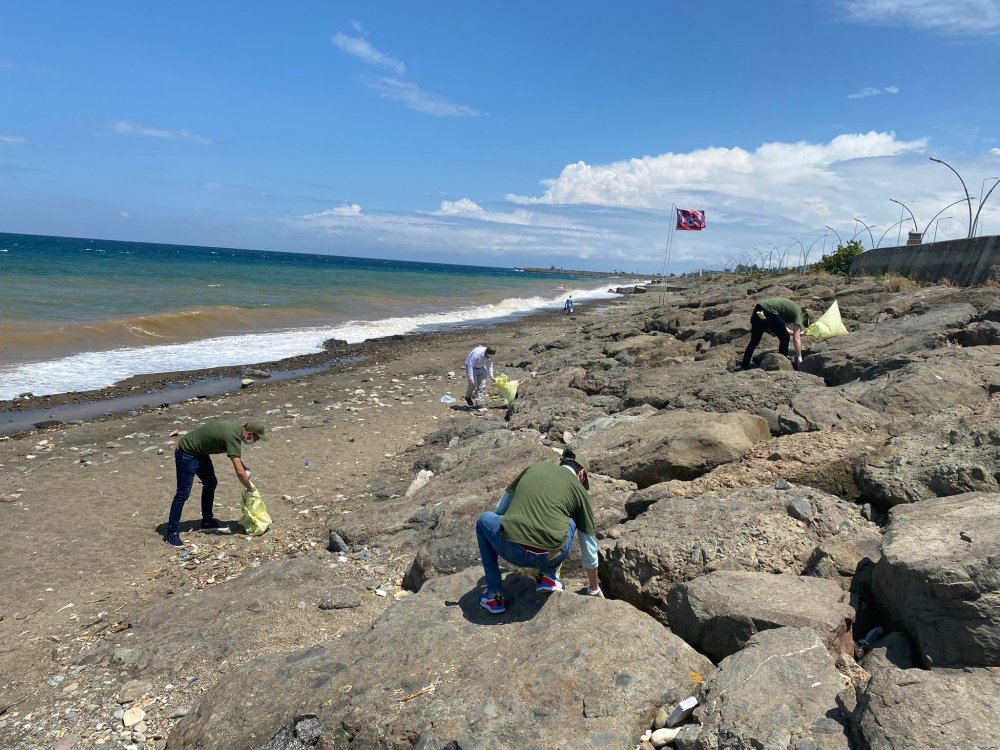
(193, 458)
(534, 525)
(782, 318)
(478, 368)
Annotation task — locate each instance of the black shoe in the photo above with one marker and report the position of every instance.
(468, 401)
(174, 540)
(213, 524)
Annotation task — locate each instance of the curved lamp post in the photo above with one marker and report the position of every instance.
(805, 255)
(839, 241)
(796, 239)
(981, 203)
(872, 236)
(960, 200)
(935, 226)
(967, 198)
(908, 211)
(889, 230)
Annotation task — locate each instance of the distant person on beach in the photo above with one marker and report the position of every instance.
(782, 318)
(193, 458)
(478, 368)
(569, 305)
(534, 525)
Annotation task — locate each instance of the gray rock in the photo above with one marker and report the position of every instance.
(337, 543)
(718, 613)
(133, 690)
(921, 710)
(340, 598)
(778, 692)
(303, 733)
(939, 578)
(949, 453)
(672, 445)
(749, 527)
(437, 659)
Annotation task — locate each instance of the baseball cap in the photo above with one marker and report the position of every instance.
(257, 428)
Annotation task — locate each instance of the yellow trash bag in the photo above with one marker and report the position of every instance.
(829, 324)
(256, 521)
(507, 388)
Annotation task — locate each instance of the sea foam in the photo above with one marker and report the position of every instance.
(92, 370)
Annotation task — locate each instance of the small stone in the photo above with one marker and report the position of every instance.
(337, 543)
(247, 382)
(664, 736)
(340, 598)
(781, 484)
(134, 690)
(178, 712)
(133, 716)
(661, 718)
(800, 508)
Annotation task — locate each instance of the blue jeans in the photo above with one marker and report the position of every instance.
(189, 467)
(492, 545)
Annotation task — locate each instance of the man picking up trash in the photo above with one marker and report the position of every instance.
(478, 367)
(534, 525)
(193, 458)
(782, 318)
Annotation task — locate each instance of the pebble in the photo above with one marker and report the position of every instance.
(664, 736)
(134, 690)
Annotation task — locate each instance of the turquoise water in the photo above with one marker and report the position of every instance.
(78, 314)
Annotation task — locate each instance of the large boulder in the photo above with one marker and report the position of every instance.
(567, 671)
(939, 578)
(718, 613)
(188, 634)
(675, 539)
(949, 453)
(918, 709)
(887, 346)
(748, 391)
(778, 692)
(673, 445)
(649, 350)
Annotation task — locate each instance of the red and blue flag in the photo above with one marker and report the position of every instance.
(690, 219)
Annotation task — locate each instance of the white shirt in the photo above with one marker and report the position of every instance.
(477, 358)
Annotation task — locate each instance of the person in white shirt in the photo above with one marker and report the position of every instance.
(478, 367)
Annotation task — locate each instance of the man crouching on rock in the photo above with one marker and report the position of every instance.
(781, 318)
(193, 457)
(533, 527)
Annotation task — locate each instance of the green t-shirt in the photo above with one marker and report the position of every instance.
(543, 499)
(213, 437)
(785, 309)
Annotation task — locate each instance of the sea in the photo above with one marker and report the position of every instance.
(79, 314)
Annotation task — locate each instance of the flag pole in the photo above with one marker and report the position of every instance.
(666, 252)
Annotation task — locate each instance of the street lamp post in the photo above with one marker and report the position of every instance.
(872, 236)
(960, 200)
(935, 226)
(839, 241)
(903, 204)
(889, 230)
(982, 201)
(967, 198)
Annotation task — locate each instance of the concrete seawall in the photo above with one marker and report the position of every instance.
(965, 261)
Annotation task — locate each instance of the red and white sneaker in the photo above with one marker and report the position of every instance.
(547, 584)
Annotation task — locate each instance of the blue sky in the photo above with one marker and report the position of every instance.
(507, 134)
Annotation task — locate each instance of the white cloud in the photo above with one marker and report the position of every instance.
(950, 16)
(123, 127)
(870, 91)
(396, 88)
(352, 209)
(13, 140)
(617, 214)
(125, 214)
(362, 49)
(419, 100)
(653, 181)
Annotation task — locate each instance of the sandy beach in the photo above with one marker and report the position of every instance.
(83, 506)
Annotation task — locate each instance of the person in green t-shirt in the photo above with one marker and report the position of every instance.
(534, 525)
(193, 458)
(782, 318)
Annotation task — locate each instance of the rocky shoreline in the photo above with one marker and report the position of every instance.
(810, 555)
